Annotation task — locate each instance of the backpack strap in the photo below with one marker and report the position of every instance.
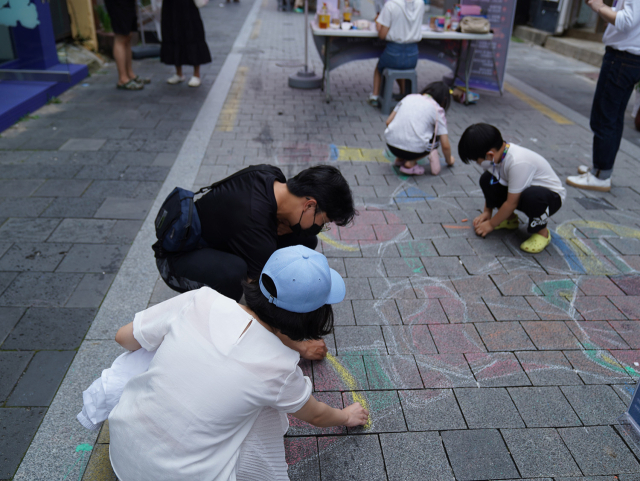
(251, 168)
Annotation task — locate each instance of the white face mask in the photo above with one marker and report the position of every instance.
(486, 164)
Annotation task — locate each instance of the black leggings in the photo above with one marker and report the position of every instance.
(222, 271)
(537, 203)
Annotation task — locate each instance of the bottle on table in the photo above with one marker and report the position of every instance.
(447, 20)
(346, 14)
(324, 19)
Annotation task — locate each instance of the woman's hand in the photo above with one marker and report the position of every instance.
(356, 415)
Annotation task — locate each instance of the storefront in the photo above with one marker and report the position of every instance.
(560, 16)
(30, 72)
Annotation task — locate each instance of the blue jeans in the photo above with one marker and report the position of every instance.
(619, 73)
(398, 56)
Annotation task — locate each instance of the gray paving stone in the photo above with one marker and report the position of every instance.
(444, 266)
(43, 257)
(489, 247)
(28, 207)
(93, 258)
(297, 427)
(358, 268)
(302, 458)
(381, 312)
(12, 365)
(408, 339)
(112, 188)
(385, 413)
(328, 374)
(404, 266)
(453, 247)
(358, 289)
(482, 265)
(408, 455)
(363, 451)
(18, 427)
(543, 407)
(431, 410)
(82, 231)
(6, 278)
(548, 368)
(497, 369)
(342, 314)
(9, 317)
(62, 188)
(123, 209)
(511, 308)
(540, 452)
(19, 188)
(27, 230)
(594, 404)
(359, 340)
(504, 336)
(40, 381)
(91, 290)
(43, 328)
(83, 144)
(72, 207)
(478, 454)
(40, 289)
(421, 311)
(599, 450)
(392, 372)
(597, 367)
(488, 408)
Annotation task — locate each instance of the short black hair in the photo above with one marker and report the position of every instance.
(477, 140)
(329, 188)
(440, 92)
(296, 326)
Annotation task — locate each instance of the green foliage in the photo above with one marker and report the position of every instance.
(103, 16)
(517, 40)
(54, 100)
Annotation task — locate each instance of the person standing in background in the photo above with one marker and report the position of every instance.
(619, 73)
(183, 40)
(124, 22)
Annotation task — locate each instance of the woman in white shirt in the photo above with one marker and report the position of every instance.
(400, 24)
(212, 404)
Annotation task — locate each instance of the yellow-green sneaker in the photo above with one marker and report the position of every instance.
(510, 224)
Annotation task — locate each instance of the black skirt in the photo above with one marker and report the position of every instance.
(183, 40)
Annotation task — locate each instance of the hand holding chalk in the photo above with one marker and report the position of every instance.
(356, 415)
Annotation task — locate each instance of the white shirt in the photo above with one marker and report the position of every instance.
(404, 19)
(413, 126)
(522, 168)
(188, 415)
(625, 34)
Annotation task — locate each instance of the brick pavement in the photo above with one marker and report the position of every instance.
(76, 182)
(477, 361)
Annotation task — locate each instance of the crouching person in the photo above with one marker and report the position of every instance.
(212, 404)
(514, 178)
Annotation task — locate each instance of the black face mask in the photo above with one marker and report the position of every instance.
(310, 232)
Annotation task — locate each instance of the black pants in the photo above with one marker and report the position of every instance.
(222, 271)
(537, 203)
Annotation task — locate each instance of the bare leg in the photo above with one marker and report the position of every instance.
(377, 82)
(120, 45)
(544, 232)
(130, 73)
(401, 84)
(196, 71)
(179, 70)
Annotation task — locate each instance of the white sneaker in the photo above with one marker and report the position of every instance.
(176, 79)
(194, 82)
(583, 169)
(588, 181)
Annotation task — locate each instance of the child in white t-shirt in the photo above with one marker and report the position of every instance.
(417, 126)
(212, 403)
(514, 178)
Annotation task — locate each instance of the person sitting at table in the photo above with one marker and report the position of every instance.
(417, 126)
(400, 24)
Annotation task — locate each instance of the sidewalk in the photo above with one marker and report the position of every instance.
(476, 360)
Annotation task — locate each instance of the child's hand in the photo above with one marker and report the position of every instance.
(450, 161)
(484, 228)
(357, 415)
(480, 219)
(314, 350)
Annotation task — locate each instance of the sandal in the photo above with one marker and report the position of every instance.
(510, 224)
(130, 85)
(415, 170)
(536, 243)
(140, 80)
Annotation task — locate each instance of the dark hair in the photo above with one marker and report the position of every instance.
(439, 91)
(477, 140)
(297, 326)
(329, 188)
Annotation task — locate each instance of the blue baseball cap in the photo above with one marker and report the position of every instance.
(303, 279)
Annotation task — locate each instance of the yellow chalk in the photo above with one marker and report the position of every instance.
(351, 383)
(537, 105)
